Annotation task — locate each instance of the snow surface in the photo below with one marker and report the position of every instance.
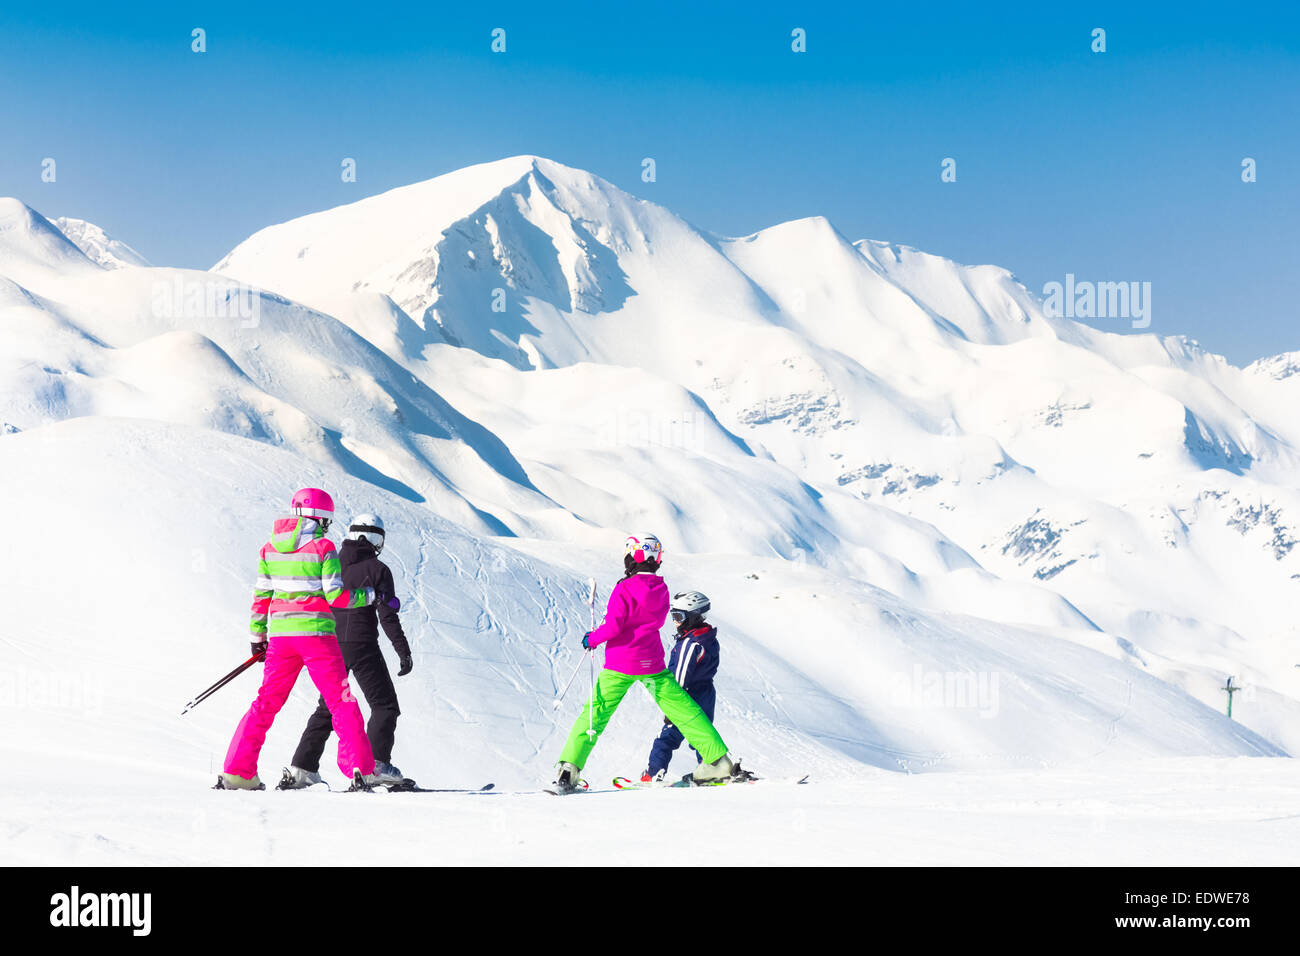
(981, 572)
(1191, 812)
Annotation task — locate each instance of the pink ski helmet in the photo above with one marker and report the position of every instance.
(312, 503)
(644, 548)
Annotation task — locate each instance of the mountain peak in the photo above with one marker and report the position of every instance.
(98, 245)
(1277, 367)
(806, 228)
(525, 225)
(14, 213)
(32, 248)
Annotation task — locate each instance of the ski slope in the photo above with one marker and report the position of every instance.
(494, 630)
(1082, 740)
(980, 572)
(1189, 812)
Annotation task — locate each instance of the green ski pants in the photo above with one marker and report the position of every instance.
(612, 686)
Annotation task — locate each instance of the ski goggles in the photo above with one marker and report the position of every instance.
(369, 529)
(678, 616)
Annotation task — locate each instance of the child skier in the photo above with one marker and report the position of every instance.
(634, 654)
(694, 662)
(358, 635)
(299, 583)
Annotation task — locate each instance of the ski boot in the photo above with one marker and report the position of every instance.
(365, 782)
(710, 774)
(653, 780)
(231, 781)
(568, 781)
(722, 771)
(295, 778)
(389, 776)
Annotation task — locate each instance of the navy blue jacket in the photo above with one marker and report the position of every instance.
(694, 658)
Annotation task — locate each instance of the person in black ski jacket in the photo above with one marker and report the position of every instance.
(694, 663)
(358, 637)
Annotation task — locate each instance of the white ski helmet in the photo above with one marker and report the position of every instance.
(690, 602)
(644, 548)
(369, 528)
(688, 609)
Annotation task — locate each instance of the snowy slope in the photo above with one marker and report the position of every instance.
(1147, 482)
(1202, 812)
(117, 777)
(873, 427)
(941, 531)
(182, 346)
(494, 629)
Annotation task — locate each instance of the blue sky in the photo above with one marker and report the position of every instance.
(1115, 166)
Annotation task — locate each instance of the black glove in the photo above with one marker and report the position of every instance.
(258, 648)
(407, 664)
(667, 722)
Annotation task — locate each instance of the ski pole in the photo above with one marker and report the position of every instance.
(591, 604)
(591, 657)
(222, 683)
(558, 700)
(591, 701)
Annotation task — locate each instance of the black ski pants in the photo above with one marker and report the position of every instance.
(366, 663)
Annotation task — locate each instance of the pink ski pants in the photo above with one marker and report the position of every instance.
(285, 657)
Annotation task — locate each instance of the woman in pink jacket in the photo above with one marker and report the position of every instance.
(634, 654)
(299, 586)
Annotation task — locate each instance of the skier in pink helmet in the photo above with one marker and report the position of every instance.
(299, 584)
(634, 654)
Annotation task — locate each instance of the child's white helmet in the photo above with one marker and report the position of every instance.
(369, 528)
(688, 608)
(644, 548)
(692, 602)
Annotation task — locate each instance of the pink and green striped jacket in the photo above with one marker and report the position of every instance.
(299, 582)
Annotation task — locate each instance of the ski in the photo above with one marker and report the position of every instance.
(689, 781)
(410, 786)
(630, 783)
(626, 783)
(557, 791)
(405, 785)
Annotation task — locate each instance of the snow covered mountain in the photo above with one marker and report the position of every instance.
(98, 245)
(941, 529)
(32, 247)
(1149, 483)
